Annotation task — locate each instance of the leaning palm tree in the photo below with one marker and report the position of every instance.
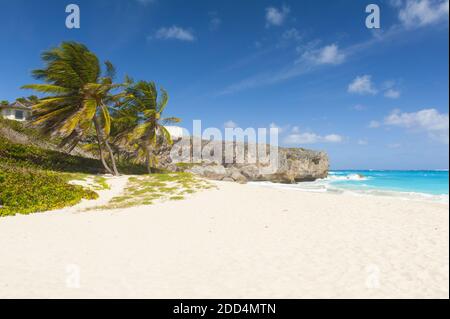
(77, 97)
(143, 127)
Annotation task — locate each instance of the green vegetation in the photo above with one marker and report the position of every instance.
(29, 182)
(77, 97)
(33, 179)
(185, 166)
(26, 190)
(146, 190)
(82, 106)
(145, 130)
(34, 157)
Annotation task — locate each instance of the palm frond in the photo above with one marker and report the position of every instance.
(47, 88)
(110, 70)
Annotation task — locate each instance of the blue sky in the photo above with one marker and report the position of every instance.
(370, 98)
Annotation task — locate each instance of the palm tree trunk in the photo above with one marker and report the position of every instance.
(99, 141)
(111, 153)
(71, 148)
(147, 161)
(113, 160)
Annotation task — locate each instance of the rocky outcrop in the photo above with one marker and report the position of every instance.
(249, 162)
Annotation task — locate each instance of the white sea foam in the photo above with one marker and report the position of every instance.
(325, 186)
(350, 177)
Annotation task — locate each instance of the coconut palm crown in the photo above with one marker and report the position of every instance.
(77, 95)
(148, 131)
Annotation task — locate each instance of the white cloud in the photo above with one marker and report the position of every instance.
(275, 16)
(417, 13)
(374, 124)
(230, 124)
(359, 107)
(280, 129)
(362, 85)
(392, 93)
(390, 89)
(430, 121)
(363, 142)
(292, 34)
(311, 138)
(299, 68)
(329, 54)
(175, 32)
(333, 138)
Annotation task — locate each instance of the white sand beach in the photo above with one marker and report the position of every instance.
(237, 241)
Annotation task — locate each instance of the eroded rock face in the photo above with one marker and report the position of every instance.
(250, 162)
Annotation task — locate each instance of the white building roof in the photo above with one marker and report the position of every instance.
(177, 131)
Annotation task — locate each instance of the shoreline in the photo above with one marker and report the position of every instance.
(400, 195)
(416, 185)
(237, 241)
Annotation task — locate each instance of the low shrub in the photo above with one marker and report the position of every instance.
(32, 156)
(28, 190)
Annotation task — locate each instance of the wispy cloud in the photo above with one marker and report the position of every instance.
(310, 60)
(174, 32)
(312, 138)
(295, 136)
(146, 2)
(374, 124)
(362, 85)
(330, 55)
(392, 93)
(292, 34)
(418, 13)
(276, 16)
(283, 129)
(358, 107)
(214, 21)
(363, 142)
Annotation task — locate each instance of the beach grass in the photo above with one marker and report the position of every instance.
(149, 189)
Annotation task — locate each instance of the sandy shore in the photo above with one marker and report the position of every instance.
(240, 241)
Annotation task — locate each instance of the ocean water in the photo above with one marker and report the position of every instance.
(415, 185)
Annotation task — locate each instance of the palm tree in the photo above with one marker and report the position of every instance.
(142, 122)
(77, 97)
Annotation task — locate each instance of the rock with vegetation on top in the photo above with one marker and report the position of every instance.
(294, 164)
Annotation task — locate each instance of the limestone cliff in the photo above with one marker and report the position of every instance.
(249, 163)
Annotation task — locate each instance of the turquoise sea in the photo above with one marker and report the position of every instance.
(425, 182)
(420, 185)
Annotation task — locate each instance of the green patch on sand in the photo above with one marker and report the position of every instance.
(150, 189)
(92, 182)
(26, 190)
